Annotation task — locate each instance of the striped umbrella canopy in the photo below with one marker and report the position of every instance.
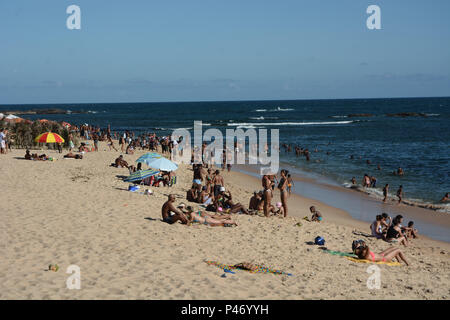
(49, 137)
(141, 175)
(149, 156)
(162, 164)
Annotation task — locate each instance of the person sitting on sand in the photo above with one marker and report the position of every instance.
(363, 252)
(279, 211)
(28, 155)
(377, 228)
(208, 219)
(224, 200)
(120, 163)
(445, 198)
(191, 194)
(170, 214)
(316, 215)
(73, 156)
(410, 231)
(394, 233)
(204, 197)
(83, 148)
(255, 201)
(130, 149)
(386, 221)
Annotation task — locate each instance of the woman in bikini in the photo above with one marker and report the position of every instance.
(206, 219)
(282, 185)
(363, 252)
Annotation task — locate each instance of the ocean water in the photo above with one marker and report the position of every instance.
(420, 145)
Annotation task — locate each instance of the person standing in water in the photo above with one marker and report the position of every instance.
(400, 194)
(385, 192)
(290, 183)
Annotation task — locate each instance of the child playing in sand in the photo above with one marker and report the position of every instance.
(280, 211)
(317, 216)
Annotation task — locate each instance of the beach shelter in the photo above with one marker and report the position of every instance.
(148, 156)
(13, 118)
(141, 175)
(49, 137)
(162, 164)
(66, 124)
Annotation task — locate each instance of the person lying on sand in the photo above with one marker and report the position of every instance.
(316, 215)
(410, 231)
(170, 214)
(73, 156)
(363, 252)
(207, 219)
(42, 157)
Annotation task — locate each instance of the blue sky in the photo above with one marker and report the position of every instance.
(145, 50)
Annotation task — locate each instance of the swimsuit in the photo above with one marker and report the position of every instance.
(169, 219)
(373, 256)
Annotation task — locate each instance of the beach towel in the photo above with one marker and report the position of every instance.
(389, 263)
(339, 253)
(260, 269)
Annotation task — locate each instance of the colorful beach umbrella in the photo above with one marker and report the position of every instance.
(141, 175)
(49, 137)
(162, 164)
(149, 156)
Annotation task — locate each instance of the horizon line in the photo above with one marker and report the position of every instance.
(203, 101)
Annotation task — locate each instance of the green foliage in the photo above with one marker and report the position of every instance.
(23, 134)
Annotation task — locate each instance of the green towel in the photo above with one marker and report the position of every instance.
(339, 253)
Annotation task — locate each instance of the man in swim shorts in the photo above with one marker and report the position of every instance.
(170, 214)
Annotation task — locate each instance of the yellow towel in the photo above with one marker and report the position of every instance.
(389, 263)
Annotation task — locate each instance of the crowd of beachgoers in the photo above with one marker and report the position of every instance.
(208, 191)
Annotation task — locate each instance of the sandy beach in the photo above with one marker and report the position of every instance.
(79, 212)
